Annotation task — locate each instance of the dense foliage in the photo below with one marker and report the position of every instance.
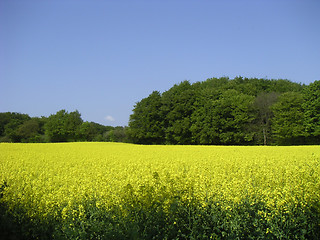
(60, 127)
(127, 191)
(238, 111)
(218, 111)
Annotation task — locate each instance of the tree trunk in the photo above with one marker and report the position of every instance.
(264, 136)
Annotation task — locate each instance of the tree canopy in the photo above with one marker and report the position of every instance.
(239, 111)
(59, 127)
(218, 111)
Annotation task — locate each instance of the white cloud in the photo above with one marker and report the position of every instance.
(109, 118)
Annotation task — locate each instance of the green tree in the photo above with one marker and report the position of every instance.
(10, 131)
(63, 126)
(203, 128)
(311, 107)
(28, 131)
(215, 83)
(146, 121)
(284, 85)
(216, 111)
(177, 107)
(232, 114)
(91, 131)
(287, 123)
(117, 134)
(262, 122)
(9, 124)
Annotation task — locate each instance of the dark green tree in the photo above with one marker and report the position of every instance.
(146, 121)
(28, 131)
(262, 122)
(63, 126)
(232, 114)
(9, 124)
(117, 134)
(203, 128)
(91, 131)
(288, 121)
(311, 107)
(216, 111)
(177, 107)
(10, 131)
(5, 118)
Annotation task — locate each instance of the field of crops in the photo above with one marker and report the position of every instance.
(126, 191)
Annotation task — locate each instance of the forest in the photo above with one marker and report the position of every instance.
(223, 111)
(218, 111)
(60, 127)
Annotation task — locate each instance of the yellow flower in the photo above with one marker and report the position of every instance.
(56, 179)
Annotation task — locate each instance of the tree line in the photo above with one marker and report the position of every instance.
(60, 127)
(218, 111)
(223, 111)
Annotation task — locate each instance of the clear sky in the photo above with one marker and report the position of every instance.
(100, 57)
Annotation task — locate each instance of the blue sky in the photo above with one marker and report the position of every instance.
(101, 57)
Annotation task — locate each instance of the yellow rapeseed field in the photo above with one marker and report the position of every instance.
(55, 181)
